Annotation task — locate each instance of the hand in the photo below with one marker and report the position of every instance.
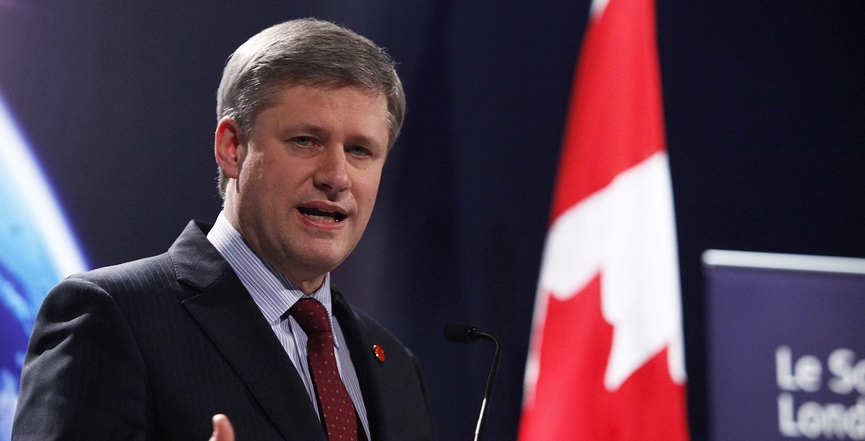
(222, 430)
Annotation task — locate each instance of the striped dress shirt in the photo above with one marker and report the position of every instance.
(275, 294)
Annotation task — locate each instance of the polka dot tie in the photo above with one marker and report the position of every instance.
(334, 402)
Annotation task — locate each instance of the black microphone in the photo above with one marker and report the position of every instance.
(461, 333)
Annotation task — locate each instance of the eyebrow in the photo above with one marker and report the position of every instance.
(321, 132)
(312, 129)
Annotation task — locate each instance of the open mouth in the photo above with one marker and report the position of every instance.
(322, 215)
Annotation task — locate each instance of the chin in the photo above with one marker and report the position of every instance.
(326, 261)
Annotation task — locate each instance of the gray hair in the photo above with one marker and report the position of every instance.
(305, 52)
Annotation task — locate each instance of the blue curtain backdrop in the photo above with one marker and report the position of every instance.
(765, 112)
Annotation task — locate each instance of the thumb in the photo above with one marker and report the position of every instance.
(222, 430)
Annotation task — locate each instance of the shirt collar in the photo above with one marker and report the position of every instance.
(272, 292)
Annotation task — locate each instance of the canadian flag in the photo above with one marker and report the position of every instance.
(606, 360)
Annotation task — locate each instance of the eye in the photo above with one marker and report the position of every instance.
(357, 150)
(303, 141)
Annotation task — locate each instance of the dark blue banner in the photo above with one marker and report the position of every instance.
(786, 346)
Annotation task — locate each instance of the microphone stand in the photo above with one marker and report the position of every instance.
(460, 333)
(482, 418)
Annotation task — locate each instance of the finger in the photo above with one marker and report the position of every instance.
(222, 430)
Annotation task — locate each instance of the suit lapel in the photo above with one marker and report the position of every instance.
(365, 365)
(233, 322)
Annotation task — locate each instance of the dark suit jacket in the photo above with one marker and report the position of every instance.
(152, 349)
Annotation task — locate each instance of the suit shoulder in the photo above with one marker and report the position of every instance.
(146, 271)
(190, 254)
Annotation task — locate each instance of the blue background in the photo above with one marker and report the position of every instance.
(765, 113)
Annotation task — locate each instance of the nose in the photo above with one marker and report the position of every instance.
(331, 175)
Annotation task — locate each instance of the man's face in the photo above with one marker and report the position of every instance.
(307, 178)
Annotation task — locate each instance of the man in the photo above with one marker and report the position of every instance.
(153, 349)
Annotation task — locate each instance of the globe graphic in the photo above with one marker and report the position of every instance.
(36, 252)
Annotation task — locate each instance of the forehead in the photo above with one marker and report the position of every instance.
(349, 108)
(272, 95)
(269, 94)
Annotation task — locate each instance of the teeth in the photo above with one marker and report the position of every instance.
(320, 218)
(320, 215)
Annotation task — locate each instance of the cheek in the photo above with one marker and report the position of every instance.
(259, 186)
(280, 178)
(251, 170)
(366, 190)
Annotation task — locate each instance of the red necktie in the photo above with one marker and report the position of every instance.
(333, 399)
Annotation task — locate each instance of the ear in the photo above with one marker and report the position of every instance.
(229, 147)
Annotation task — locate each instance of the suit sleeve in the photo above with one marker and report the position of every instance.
(83, 375)
(424, 392)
